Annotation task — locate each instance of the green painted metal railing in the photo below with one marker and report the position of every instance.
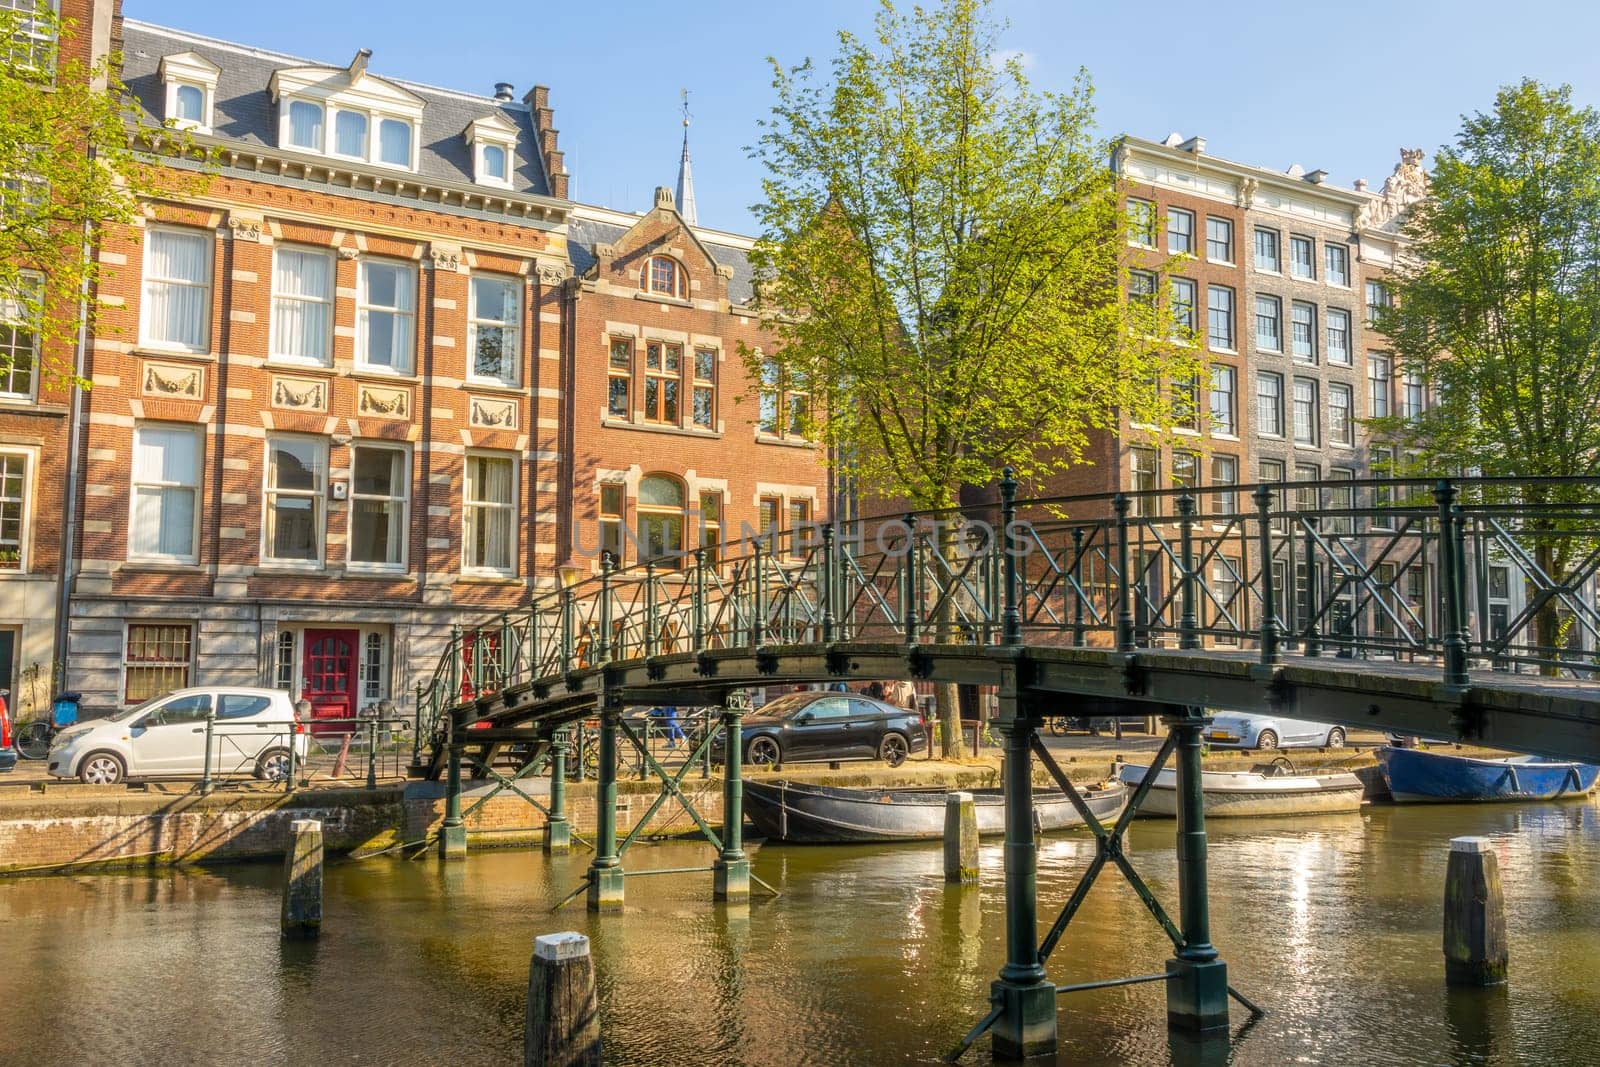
(1460, 572)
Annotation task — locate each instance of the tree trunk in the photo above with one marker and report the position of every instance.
(1547, 620)
(946, 694)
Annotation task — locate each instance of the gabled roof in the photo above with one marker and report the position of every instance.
(244, 111)
(588, 226)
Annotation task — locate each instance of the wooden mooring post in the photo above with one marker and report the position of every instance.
(1475, 950)
(960, 838)
(302, 881)
(562, 1024)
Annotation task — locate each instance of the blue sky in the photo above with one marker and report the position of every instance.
(1341, 86)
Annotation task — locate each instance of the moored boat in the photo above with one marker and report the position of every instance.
(1270, 789)
(820, 814)
(1418, 775)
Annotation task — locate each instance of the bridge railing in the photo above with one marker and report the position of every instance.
(1461, 572)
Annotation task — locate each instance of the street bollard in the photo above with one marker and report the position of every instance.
(372, 753)
(557, 831)
(960, 838)
(1475, 950)
(302, 881)
(561, 1027)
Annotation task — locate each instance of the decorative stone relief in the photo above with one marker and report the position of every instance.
(445, 258)
(300, 394)
(1407, 185)
(349, 253)
(552, 273)
(384, 403)
(173, 380)
(493, 414)
(245, 228)
(1247, 193)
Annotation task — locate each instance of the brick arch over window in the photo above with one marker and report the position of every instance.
(664, 276)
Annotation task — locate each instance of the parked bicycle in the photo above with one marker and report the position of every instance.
(34, 739)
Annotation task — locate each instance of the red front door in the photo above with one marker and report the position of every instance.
(329, 669)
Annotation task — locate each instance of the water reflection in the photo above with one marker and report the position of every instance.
(867, 957)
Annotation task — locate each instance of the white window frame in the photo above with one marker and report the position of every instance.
(272, 311)
(15, 314)
(134, 485)
(1219, 371)
(318, 495)
(1277, 322)
(1135, 237)
(1278, 406)
(403, 499)
(1173, 212)
(1328, 316)
(1311, 264)
(1314, 422)
(208, 239)
(1328, 250)
(194, 71)
(511, 360)
(1227, 224)
(363, 306)
(1342, 389)
(1310, 356)
(467, 505)
(1277, 250)
(29, 457)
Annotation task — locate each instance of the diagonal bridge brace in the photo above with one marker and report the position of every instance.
(533, 767)
(1108, 846)
(671, 786)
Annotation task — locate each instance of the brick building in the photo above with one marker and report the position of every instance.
(382, 376)
(36, 403)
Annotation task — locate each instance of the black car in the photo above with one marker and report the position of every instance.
(830, 726)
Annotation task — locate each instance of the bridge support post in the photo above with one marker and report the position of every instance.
(453, 834)
(1197, 994)
(731, 874)
(557, 831)
(605, 871)
(1024, 997)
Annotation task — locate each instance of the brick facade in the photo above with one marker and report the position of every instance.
(351, 505)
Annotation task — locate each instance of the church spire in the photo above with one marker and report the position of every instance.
(685, 195)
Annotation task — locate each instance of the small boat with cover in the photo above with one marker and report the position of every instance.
(830, 815)
(1266, 789)
(1418, 775)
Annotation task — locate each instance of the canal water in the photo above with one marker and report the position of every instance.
(1332, 924)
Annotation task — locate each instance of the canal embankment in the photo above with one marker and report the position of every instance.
(68, 827)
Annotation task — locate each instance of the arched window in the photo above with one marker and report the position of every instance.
(665, 276)
(661, 520)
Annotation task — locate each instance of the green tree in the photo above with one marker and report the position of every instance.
(1499, 306)
(72, 161)
(941, 259)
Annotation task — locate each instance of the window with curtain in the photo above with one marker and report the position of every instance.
(302, 304)
(177, 289)
(13, 508)
(379, 488)
(191, 104)
(297, 486)
(350, 134)
(1269, 323)
(305, 125)
(385, 316)
(156, 659)
(494, 162)
(660, 519)
(489, 533)
(494, 329)
(394, 142)
(1338, 336)
(166, 482)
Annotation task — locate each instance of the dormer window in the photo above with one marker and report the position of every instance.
(664, 276)
(347, 113)
(191, 82)
(492, 140)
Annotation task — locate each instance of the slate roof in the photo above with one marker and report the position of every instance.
(244, 111)
(583, 234)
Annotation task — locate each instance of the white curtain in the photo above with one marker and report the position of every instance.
(386, 318)
(305, 125)
(350, 134)
(394, 142)
(178, 288)
(303, 286)
(488, 527)
(166, 468)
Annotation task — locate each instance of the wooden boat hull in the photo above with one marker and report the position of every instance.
(1230, 794)
(815, 814)
(1419, 776)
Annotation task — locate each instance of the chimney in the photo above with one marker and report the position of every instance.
(663, 196)
(502, 92)
(1196, 145)
(538, 101)
(1361, 185)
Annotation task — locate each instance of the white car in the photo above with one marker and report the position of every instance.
(251, 733)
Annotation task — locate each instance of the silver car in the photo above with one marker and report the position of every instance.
(251, 730)
(1231, 729)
